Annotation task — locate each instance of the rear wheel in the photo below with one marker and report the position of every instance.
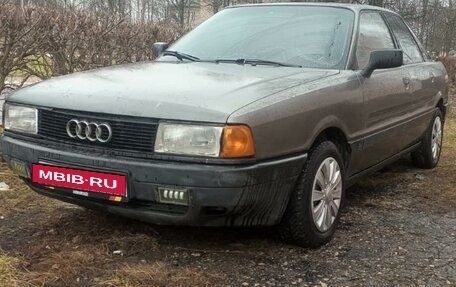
(314, 208)
(428, 155)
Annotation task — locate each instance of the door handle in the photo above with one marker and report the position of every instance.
(406, 81)
(432, 76)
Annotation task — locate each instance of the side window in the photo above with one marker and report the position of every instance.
(373, 35)
(412, 53)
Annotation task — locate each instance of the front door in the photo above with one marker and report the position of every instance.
(387, 94)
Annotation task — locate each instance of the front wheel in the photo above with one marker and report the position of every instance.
(314, 208)
(428, 155)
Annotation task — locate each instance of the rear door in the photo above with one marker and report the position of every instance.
(386, 93)
(423, 86)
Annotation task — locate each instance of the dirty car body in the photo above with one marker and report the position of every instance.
(315, 85)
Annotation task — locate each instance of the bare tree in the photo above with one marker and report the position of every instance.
(217, 5)
(43, 41)
(22, 35)
(182, 11)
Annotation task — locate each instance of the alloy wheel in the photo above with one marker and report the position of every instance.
(436, 140)
(326, 194)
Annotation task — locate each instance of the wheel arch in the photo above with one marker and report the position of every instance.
(441, 106)
(337, 135)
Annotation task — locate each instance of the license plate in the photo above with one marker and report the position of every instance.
(78, 179)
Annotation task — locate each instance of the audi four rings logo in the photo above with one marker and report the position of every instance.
(84, 130)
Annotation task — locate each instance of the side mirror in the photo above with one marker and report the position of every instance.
(383, 59)
(159, 47)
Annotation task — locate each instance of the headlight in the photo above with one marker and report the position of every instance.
(232, 141)
(20, 119)
(188, 139)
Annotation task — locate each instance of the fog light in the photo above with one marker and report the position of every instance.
(173, 195)
(20, 168)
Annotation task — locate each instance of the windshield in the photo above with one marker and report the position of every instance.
(307, 36)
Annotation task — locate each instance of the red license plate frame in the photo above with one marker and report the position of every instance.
(80, 179)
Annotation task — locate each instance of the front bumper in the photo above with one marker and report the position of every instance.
(219, 195)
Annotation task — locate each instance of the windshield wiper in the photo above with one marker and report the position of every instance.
(255, 62)
(179, 55)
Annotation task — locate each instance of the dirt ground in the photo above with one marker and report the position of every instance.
(398, 229)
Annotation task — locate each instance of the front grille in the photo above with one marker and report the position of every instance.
(128, 133)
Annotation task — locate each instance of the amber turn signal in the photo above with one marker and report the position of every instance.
(237, 141)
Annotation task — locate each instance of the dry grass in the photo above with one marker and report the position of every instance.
(84, 268)
(159, 274)
(64, 264)
(13, 272)
(17, 196)
(9, 270)
(69, 255)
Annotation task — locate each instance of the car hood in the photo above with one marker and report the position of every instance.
(192, 91)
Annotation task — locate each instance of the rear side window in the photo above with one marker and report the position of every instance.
(373, 35)
(412, 53)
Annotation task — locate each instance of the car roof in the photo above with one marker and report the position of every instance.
(354, 7)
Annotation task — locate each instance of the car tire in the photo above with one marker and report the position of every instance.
(428, 154)
(301, 222)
